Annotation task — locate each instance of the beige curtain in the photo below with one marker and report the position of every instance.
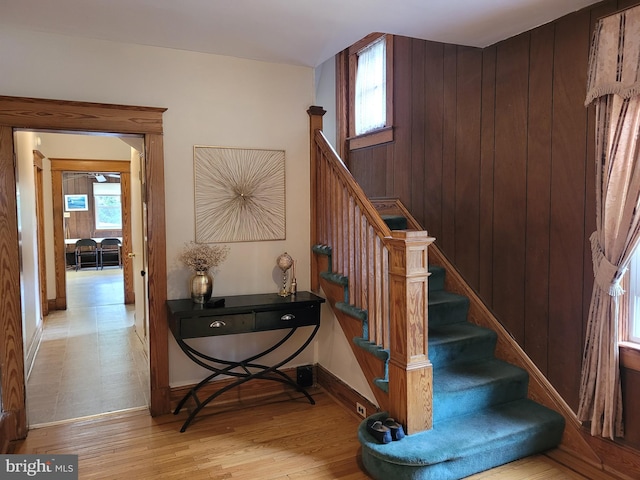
(613, 86)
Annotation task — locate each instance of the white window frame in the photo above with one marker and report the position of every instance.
(106, 190)
(383, 133)
(633, 326)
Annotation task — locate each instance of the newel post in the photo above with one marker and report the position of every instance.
(315, 123)
(410, 371)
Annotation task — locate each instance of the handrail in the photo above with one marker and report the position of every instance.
(386, 272)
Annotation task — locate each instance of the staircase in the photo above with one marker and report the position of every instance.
(428, 356)
(481, 415)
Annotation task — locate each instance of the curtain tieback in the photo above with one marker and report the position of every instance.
(607, 275)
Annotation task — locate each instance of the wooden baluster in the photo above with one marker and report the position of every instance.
(410, 371)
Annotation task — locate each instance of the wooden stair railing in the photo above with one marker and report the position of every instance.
(384, 276)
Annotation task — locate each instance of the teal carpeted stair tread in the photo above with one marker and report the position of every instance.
(395, 222)
(353, 311)
(321, 249)
(436, 278)
(373, 348)
(382, 384)
(464, 445)
(447, 307)
(335, 278)
(460, 343)
(460, 389)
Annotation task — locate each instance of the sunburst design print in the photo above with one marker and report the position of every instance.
(239, 194)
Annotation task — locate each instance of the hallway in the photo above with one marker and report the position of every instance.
(90, 360)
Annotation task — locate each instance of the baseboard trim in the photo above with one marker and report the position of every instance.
(244, 394)
(4, 434)
(583, 466)
(343, 393)
(30, 357)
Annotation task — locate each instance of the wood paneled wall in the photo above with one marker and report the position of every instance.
(82, 224)
(493, 154)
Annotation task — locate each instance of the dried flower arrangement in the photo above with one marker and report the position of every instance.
(200, 257)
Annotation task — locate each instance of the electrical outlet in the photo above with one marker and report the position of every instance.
(361, 410)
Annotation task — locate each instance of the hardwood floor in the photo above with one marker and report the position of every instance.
(90, 359)
(284, 438)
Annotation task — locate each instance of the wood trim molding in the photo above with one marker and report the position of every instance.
(342, 392)
(37, 113)
(38, 175)
(81, 165)
(31, 113)
(12, 381)
(630, 356)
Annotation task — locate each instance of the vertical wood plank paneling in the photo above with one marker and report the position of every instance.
(467, 184)
(388, 151)
(538, 195)
(402, 98)
(568, 203)
(418, 111)
(487, 156)
(447, 235)
(434, 115)
(11, 351)
(510, 183)
(368, 166)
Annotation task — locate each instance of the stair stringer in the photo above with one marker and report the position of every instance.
(353, 325)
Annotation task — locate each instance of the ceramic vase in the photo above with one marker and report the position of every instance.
(201, 287)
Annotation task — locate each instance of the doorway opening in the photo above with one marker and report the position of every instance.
(89, 355)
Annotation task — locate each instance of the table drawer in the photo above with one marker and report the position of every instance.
(217, 325)
(288, 318)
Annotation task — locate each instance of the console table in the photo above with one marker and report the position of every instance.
(241, 314)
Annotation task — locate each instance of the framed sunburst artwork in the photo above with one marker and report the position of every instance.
(239, 194)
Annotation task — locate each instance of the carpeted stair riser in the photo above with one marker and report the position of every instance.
(436, 278)
(465, 388)
(460, 343)
(446, 307)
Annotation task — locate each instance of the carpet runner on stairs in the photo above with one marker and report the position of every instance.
(481, 415)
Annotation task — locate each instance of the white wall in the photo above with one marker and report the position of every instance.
(27, 235)
(210, 100)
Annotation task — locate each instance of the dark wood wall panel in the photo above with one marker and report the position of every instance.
(487, 150)
(539, 130)
(434, 134)
(418, 119)
(369, 166)
(467, 173)
(402, 135)
(497, 150)
(447, 234)
(568, 185)
(510, 188)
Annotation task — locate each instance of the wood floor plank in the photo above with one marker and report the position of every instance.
(284, 438)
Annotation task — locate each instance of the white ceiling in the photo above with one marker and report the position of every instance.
(298, 32)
